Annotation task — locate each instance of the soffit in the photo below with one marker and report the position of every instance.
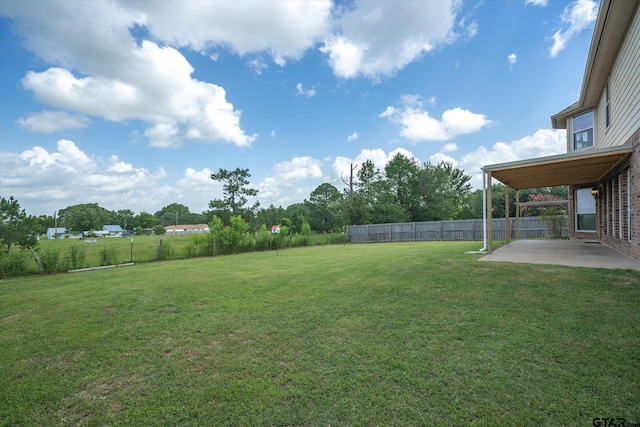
(566, 169)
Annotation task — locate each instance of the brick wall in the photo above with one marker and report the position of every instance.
(608, 223)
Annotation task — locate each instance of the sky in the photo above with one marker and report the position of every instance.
(134, 104)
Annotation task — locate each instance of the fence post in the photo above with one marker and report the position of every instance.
(160, 250)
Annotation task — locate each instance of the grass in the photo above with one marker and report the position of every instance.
(380, 334)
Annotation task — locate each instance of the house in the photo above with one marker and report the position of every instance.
(602, 162)
(187, 229)
(113, 230)
(57, 233)
(61, 233)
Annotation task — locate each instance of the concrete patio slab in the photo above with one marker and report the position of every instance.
(578, 253)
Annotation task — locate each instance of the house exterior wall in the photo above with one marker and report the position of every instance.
(618, 202)
(619, 205)
(624, 92)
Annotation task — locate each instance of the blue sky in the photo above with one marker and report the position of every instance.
(133, 105)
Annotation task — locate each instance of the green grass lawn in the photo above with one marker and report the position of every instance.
(377, 334)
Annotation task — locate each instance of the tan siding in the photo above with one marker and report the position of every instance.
(624, 87)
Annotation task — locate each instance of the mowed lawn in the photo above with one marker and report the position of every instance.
(371, 334)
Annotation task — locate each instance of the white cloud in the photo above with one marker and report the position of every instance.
(537, 2)
(544, 142)
(450, 147)
(284, 29)
(51, 180)
(286, 186)
(117, 78)
(575, 18)
(512, 58)
(52, 121)
(258, 64)
(298, 169)
(418, 125)
(441, 157)
(353, 137)
(308, 93)
(273, 133)
(376, 39)
(48, 181)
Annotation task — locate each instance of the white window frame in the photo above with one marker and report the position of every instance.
(579, 208)
(613, 210)
(583, 131)
(629, 204)
(620, 213)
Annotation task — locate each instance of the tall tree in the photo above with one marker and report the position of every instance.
(145, 220)
(443, 191)
(235, 186)
(325, 208)
(86, 216)
(15, 226)
(401, 175)
(270, 216)
(173, 214)
(298, 213)
(125, 218)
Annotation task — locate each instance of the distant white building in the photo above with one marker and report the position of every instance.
(113, 230)
(61, 233)
(56, 233)
(187, 229)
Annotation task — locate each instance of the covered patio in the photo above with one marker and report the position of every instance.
(577, 253)
(584, 169)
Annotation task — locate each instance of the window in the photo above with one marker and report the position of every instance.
(582, 128)
(585, 210)
(607, 112)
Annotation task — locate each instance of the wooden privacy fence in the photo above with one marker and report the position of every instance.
(465, 229)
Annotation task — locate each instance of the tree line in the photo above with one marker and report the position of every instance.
(403, 191)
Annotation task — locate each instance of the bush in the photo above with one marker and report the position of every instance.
(159, 230)
(77, 255)
(306, 234)
(554, 221)
(166, 250)
(247, 244)
(263, 239)
(109, 256)
(14, 263)
(51, 261)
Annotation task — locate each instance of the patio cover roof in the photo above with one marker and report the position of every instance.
(575, 168)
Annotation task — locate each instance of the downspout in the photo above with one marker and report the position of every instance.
(484, 215)
(484, 211)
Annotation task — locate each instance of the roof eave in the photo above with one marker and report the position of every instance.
(611, 25)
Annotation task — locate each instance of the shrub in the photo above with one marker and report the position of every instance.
(51, 262)
(263, 239)
(165, 250)
(77, 255)
(306, 233)
(554, 221)
(159, 230)
(109, 256)
(14, 263)
(247, 244)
